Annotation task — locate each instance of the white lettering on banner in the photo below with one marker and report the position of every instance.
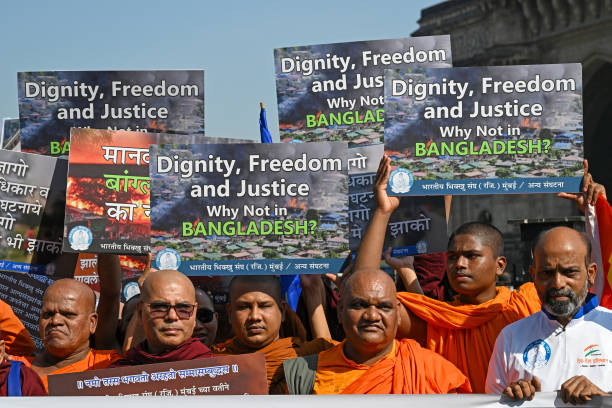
(541, 400)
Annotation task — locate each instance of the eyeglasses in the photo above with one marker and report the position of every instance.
(205, 315)
(160, 309)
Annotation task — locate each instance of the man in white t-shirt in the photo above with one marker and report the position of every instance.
(567, 346)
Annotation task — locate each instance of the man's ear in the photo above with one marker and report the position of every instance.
(592, 273)
(501, 262)
(93, 323)
(532, 272)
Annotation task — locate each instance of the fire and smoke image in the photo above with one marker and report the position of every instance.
(334, 92)
(50, 103)
(506, 123)
(250, 201)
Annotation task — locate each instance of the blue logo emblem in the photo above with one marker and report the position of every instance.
(168, 258)
(401, 180)
(536, 354)
(80, 238)
(421, 247)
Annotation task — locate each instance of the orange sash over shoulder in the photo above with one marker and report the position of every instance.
(95, 360)
(17, 341)
(406, 369)
(277, 352)
(465, 334)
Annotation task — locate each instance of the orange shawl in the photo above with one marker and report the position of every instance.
(12, 331)
(277, 352)
(465, 334)
(406, 369)
(95, 360)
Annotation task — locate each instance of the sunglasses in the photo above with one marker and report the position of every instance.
(205, 315)
(160, 309)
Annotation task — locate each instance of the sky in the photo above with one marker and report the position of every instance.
(232, 41)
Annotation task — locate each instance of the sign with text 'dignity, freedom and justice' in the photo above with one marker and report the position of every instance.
(485, 130)
(249, 209)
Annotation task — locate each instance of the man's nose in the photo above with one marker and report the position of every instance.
(462, 262)
(372, 313)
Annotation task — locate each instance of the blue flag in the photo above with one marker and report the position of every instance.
(263, 126)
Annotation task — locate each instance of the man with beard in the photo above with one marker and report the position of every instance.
(567, 345)
(370, 360)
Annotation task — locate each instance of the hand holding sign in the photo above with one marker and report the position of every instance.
(591, 190)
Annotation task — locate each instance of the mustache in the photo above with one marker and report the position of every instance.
(560, 292)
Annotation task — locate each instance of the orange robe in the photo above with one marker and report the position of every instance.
(95, 360)
(17, 341)
(277, 352)
(406, 369)
(465, 334)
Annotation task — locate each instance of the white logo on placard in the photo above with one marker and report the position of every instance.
(80, 238)
(401, 180)
(168, 258)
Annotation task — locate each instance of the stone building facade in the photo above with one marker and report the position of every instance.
(512, 32)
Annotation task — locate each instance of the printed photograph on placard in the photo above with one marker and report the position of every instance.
(50, 103)
(334, 92)
(32, 196)
(417, 226)
(485, 130)
(249, 209)
(107, 208)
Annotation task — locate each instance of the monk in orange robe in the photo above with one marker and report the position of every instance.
(463, 330)
(68, 319)
(370, 360)
(16, 338)
(256, 312)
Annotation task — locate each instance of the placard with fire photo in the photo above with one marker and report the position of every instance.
(107, 201)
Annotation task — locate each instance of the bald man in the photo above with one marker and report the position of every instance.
(68, 319)
(167, 314)
(256, 312)
(461, 330)
(567, 345)
(370, 360)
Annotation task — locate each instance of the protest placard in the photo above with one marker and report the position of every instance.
(335, 91)
(50, 103)
(24, 294)
(249, 209)
(10, 127)
(239, 374)
(107, 206)
(484, 130)
(417, 226)
(32, 196)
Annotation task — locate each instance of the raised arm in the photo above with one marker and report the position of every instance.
(372, 243)
(591, 191)
(313, 292)
(109, 271)
(404, 266)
